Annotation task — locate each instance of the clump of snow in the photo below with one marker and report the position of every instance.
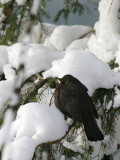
(3, 57)
(9, 72)
(80, 44)
(21, 149)
(62, 157)
(2, 15)
(5, 1)
(70, 121)
(109, 105)
(7, 95)
(36, 58)
(86, 67)
(116, 98)
(62, 35)
(104, 43)
(46, 124)
(35, 7)
(20, 2)
(72, 147)
(48, 44)
(118, 57)
(14, 54)
(5, 130)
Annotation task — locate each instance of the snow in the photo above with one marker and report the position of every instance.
(86, 67)
(61, 53)
(3, 57)
(35, 7)
(42, 56)
(7, 95)
(2, 15)
(14, 54)
(48, 44)
(9, 72)
(39, 32)
(5, 136)
(62, 35)
(116, 98)
(72, 147)
(5, 1)
(22, 148)
(44, 121)
(109, 105)
(46, 124)
(20, 2)
(80, 44)
(106, 31)
(118, 57)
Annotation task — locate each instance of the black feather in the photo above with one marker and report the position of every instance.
(72, 99)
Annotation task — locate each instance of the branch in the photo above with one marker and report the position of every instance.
(84, 35)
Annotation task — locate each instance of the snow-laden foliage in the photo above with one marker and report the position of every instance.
(104, 43)
(46, 124)
(91, 71)
(31, 127)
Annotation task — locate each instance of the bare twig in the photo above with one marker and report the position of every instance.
(84, 35)
(51, 99)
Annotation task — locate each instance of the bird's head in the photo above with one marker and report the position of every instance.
(67, 79)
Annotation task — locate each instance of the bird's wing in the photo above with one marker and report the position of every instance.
(73, 102)
(70, 103)
(60, 101)
(78, 103)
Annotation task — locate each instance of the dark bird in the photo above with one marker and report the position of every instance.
(72, 99)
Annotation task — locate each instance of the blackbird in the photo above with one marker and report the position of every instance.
(72, 99)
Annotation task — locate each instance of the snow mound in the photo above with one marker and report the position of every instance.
(104, 43)
(85, 66)
(44, 123)
(35, 124)
(62, 35)
(36, 58)
(80, 44)
(7, 95)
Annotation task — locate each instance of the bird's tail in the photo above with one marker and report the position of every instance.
(92, 131)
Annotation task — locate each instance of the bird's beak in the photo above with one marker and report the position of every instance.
(59, 79)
